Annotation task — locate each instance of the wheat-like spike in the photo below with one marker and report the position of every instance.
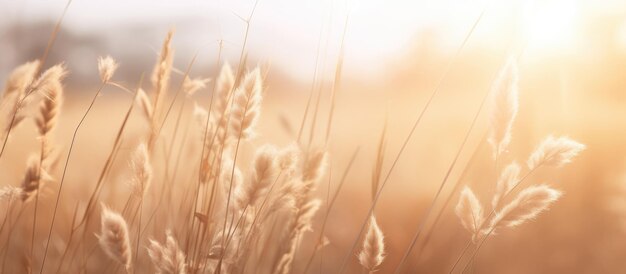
(223, 89)
(312, 171)
(142, 171)
(20, 78)
(527, 205)
(470, 212)
(505, 106)
(49, 79)
(285, 197)
(34, 178)
(114, 238)
(373, 252)
(225, 179)
(288, 157)
(264, 170)
(16, 100)
(246, 106)
(192, 85)
(106, 68)
(167, 258)
(10, 193)
(49, 109)
(554, 152)
(315, 166)
(506, 182)
(301, 223)
(162, 70)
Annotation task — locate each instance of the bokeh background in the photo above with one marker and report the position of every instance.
(572, 65)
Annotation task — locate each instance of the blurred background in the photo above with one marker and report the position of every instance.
(395, 53)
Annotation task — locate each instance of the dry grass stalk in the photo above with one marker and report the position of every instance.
(114, 238)
(34, 178)
(470, 212)
(162, 70)
(246, 106)
(527, 205)
(106, 68)
(301, 222)
(373, 251)
(262, 176)
(506, 182)
(554, 152)
(505, 106)
(142, 171)
(192, 85)
(167, 258)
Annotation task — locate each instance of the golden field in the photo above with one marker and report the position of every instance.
(142, 185)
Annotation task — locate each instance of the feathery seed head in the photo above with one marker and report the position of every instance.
(49, 79)
(106, 68)
(142, 171)
(470, 212)
(167, 258)
(505, 106)
(554, 152)
(114, 237)
(20, 78)
(191, 86)
(373, 251)
(507, 181)
(526, 206)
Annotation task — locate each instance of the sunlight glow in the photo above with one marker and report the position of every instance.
(551, 25)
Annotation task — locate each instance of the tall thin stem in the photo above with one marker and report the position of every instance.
(69, 154)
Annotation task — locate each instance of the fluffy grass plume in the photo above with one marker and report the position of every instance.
(373, 251)
(246, 106)
(106, 68)
(506, 182)
(470, 212)
(114, 238)
(505, 105)
(526, 206)
(167, 258)
(554, 152)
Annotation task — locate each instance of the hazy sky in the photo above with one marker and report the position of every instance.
(286, 32)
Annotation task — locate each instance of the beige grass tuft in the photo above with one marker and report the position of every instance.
(167, 258)
(526, 206)
(554, 152)
(470, 212)
(114, 238)
(505, 106)
(246, 106)
(106, 68)
(373, 252)
(507, 181)
(142, 171)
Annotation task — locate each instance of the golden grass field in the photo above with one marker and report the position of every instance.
(483, 160)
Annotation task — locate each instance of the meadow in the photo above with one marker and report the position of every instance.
(480, 161)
